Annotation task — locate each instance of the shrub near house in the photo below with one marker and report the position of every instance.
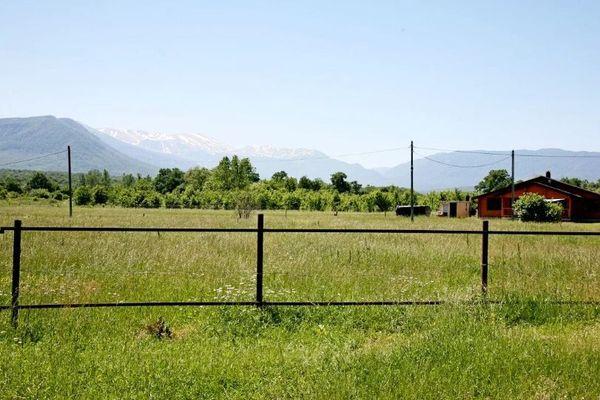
(533, 207)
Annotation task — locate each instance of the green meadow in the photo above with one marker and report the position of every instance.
(523, 345)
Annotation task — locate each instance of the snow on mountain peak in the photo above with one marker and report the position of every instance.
(167, 143)
(188, 144)
(268, 151)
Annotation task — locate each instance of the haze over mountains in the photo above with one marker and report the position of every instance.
(132, 151)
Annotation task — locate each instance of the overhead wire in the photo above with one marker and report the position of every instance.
(557, 155)
(463, 166)
(517, 154)
(32, 159)
(465, 151)
(326, 157)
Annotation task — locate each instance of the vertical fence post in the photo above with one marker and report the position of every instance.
(70, 182)
(16, 273)
(484, 257)
(259, 260)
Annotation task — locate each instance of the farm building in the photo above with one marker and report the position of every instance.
(454, 209)
(579, 204)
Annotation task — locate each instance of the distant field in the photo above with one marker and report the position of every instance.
(523, 348)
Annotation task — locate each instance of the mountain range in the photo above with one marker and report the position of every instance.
(25, 142)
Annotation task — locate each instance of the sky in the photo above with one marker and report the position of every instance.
(337, 76)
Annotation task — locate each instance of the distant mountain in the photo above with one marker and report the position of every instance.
(185, 150)
(193, 148)
(466, 169)
(31, 138)
(196, 146)
(121, 151)
(160, 159)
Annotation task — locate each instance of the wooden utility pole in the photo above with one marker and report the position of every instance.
(70, 182)
(412, 186)
(512, 185)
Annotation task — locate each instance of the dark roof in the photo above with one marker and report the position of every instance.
(553, 184)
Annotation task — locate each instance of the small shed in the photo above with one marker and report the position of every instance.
(418, 210)
(454, 209)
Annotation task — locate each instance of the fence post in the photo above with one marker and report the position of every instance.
(484, 257)
(259, 260)
(16, 273)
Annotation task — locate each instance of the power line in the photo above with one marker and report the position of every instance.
(556, 156)
(335, 156)
(508, 154)
(465, 151)
(32, 159)
(464, 166)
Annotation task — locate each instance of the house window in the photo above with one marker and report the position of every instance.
(494, 203)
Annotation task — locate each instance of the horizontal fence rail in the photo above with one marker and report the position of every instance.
(260, 230)
(292, 230)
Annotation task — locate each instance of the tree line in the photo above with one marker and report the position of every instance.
(233, 184)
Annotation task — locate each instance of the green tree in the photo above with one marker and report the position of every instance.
(168, 179)
(338, 181)
(304, 183)
(83, 196)
(355, 187)
(106, 181)
(197, 177)
(381, 201)
(336, 202)
(220, 178)
(39, 180)
(583, 183)
(243, 173)
(99, 195)
(233, 174)
(279, 176)
(128, 180)
(495, 179)
(12, 185)
(92, 178)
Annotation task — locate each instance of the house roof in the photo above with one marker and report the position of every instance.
(550, 183)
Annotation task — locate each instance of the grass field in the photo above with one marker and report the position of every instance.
(524, 347)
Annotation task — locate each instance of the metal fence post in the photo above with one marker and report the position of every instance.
(16, 273)
(259, 260)
(484, 257)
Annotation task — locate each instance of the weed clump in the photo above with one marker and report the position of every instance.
(160, 329)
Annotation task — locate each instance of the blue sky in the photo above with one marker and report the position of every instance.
(338, 76)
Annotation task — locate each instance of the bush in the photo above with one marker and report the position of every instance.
(82, 196)
(244, 204)
(58, 196)
(292, 201)
(99, 195)
(12, 185)
(40, 193)
(149, 200)
(554, 212)
(533, 207)
(39, 180)
(172, 200)
(3, 193)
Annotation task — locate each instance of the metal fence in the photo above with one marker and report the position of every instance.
(260, 231)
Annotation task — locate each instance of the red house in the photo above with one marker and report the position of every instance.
(579, 204)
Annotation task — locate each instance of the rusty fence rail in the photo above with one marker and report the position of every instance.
(260, 230)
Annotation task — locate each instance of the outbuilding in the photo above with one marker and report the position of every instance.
(578, 204)
(454, 209)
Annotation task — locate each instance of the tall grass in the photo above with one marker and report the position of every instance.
(524, 347)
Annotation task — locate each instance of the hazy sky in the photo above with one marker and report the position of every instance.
(338, 76)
